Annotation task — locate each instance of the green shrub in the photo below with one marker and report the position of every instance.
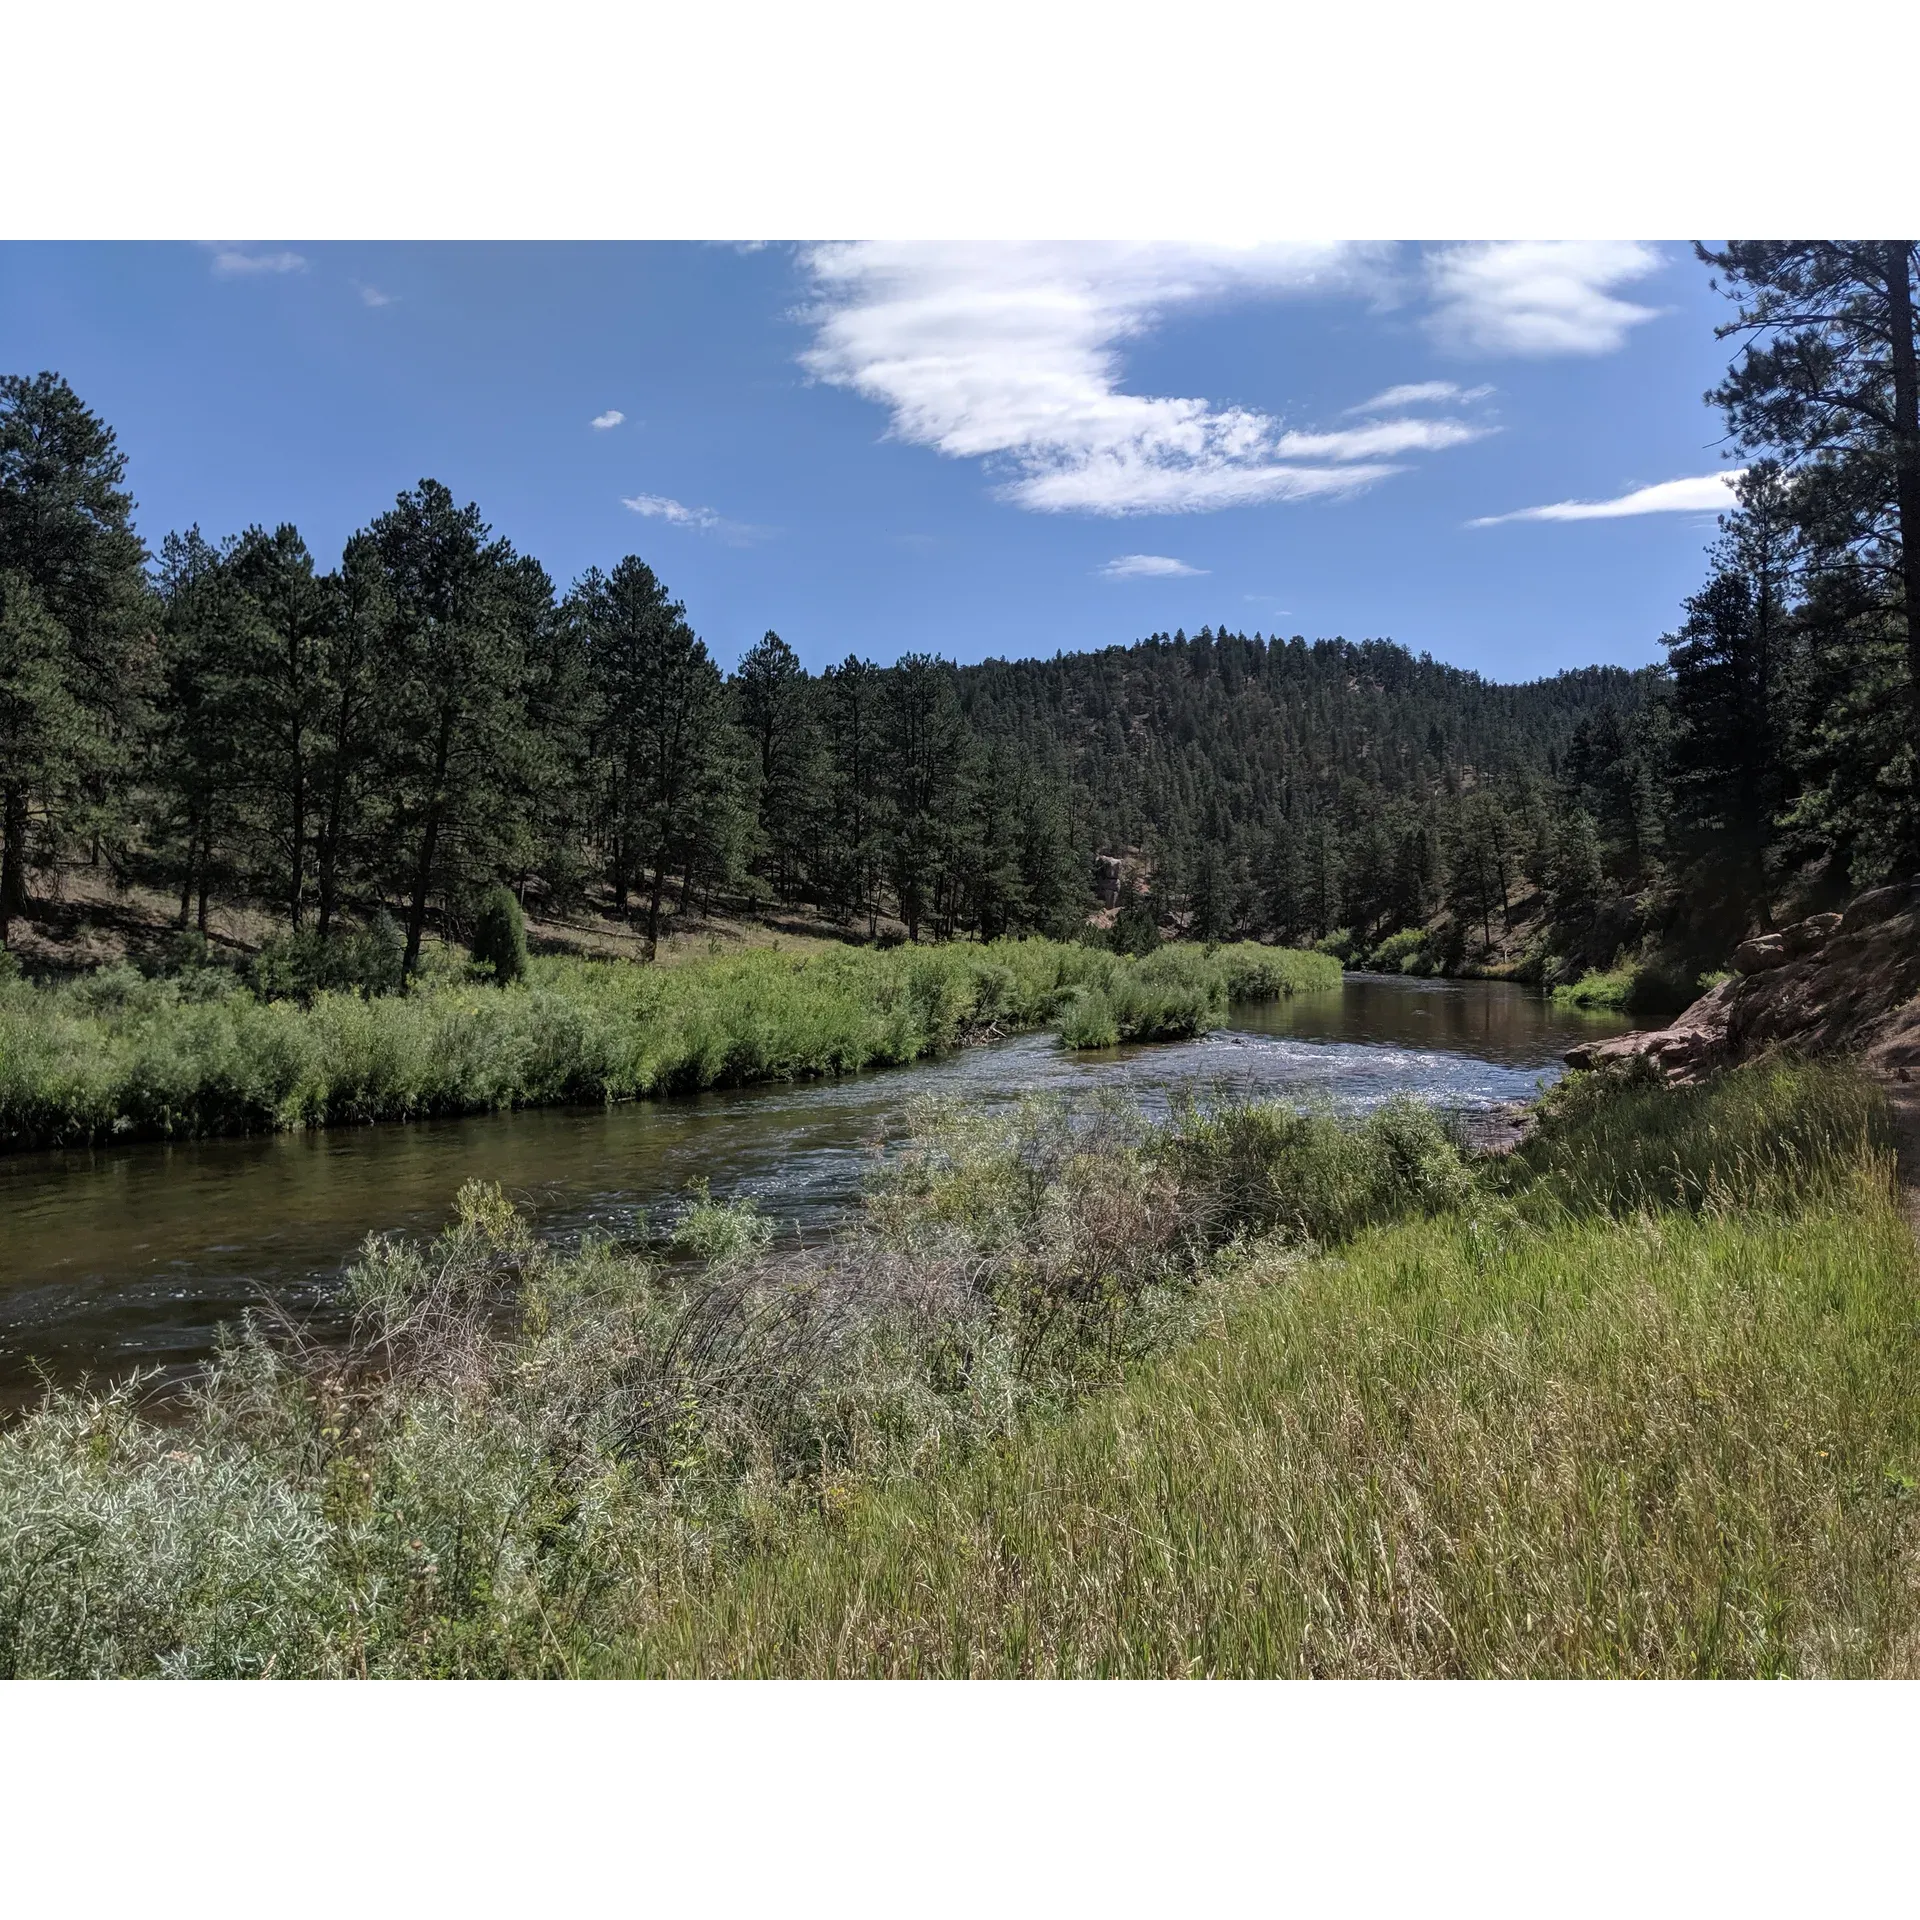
(296, 966)
(1088, 1020)
(1261, 1169)
(500, 936)
(1653, 986)
(1136, 927)
(1339, 943)
(1404, 952)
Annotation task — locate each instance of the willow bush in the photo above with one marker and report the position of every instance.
(118, 1055)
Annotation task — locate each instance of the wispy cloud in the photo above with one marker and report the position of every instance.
(658, 506)
(1011, 354)
(372, 296)
(1536, 297)
(602, 421)
(1148, 566)
(1382, 439)
(231, 258)
(1421, 393)
(1709, 493)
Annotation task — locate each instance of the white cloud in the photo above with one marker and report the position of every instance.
(1536, 296)
(1709, 493)
(1149, 566)
(231, 258)
(656, 506)
(1420, 393)
(611, 418)
(1011, 354)
(1382, 439)
(371, 296)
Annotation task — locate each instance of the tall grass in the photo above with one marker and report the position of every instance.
(1635, 1439)
(1640, 986)
(1683, 1447)
(1776, 1135)
(117, 1055)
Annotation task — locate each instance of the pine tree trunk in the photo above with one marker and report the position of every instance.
(1906, 453)
(429, 850)
(653, 906)
(298, 887)
(13, 857)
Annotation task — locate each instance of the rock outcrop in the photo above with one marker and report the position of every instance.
(1832, 983)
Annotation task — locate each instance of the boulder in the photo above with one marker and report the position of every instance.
(1766, 951)
(1872, 908)
(1814, 931)
(1688, 1050)
(1760, 954)
(1846, 983)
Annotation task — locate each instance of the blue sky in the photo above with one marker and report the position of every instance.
(965, 448)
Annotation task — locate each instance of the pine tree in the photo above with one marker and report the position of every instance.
(1729, 761)
(79, 607)
(772, 697)
(669, 790)
(920, 737)
(43, 729)
(1829, 383)
(453, 674)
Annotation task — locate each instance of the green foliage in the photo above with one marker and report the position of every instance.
(720, 1232)
(1769, 1136)
(1642, 986)
(115, 1055)
(299, 965)
(1408, 951)
(1089, 1021)
(1177, 991)
(1339, 944)
(500, 936)
(1261, 1170)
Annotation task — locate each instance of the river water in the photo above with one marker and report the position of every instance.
(121, 1258)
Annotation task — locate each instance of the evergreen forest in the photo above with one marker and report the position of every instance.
(397, 729)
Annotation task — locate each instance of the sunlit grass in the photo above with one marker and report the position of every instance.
(118, 1055)
(1678, 1445)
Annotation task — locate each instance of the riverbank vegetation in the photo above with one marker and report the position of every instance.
(1247, 1392)
(118, 1055)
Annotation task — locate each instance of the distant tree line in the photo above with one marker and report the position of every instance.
(430, 717)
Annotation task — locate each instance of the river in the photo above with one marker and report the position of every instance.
(114, 1259)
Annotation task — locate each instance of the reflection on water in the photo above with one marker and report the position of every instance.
(132, 1256)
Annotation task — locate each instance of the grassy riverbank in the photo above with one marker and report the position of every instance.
(1248, 1393)
(119, 1055)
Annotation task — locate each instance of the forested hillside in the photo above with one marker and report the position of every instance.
(231, 718)
(389, 734)
(1291, 789)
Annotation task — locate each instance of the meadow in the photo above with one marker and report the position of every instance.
(1244, 1392)
(117, 1054)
